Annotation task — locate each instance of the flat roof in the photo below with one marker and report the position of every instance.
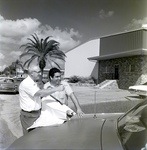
(123, 32)
(119, 55)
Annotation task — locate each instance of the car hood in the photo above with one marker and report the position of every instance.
(89, 132)
(138, 87)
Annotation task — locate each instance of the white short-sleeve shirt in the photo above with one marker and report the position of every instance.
(27, 90)
(60, 95)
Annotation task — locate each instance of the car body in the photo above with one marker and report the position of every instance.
(110, 131)
(9, 85)
(18, 79)
(139, 89)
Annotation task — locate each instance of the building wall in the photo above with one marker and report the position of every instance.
(77, 62)
(132, 70)
(145, 39)
(123, 42)
(143, 78)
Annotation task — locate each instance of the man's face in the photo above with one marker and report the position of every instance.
(36, 73)
(56, 79)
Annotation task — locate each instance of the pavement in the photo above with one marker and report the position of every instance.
(104, 100)
(91, 100)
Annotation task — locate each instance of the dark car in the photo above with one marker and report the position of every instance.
(9, 85)
(112, 131)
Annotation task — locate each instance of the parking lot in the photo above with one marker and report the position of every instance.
(108, 100)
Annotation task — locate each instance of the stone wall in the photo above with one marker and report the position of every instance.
(126, 77)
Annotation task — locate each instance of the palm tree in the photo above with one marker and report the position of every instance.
(44, 50)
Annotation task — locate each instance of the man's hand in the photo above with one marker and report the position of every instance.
(80, 113)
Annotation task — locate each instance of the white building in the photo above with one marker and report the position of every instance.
(77, 62)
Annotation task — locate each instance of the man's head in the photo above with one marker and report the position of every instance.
(55, 76)
(35, 72)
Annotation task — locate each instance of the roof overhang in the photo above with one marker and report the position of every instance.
(119, 55)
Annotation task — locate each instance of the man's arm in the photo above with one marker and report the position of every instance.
(46, 92)
(76, 103)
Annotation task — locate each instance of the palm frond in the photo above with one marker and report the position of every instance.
(41, 44)
(36, 42)
(33, 50)
(50, 46)
(58, 57)
(50, 62)
(30, 45)
(35, 37)
(28, 62)
(45, 41)
(26, 54)
(56, 64)
(57, 52)
(23, 45)
(32, 42)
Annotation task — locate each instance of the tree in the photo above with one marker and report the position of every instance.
(7, 71)
(18, 66)
(12, 69)
(44, 50)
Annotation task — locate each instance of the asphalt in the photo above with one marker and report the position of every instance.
(91, 100)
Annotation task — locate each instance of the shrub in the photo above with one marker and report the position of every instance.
(75, 79)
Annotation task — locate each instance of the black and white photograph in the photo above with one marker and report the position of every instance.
(73, 74)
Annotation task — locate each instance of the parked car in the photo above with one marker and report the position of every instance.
(139, 89)
(18, 79)
(8, 85)
(112, 131)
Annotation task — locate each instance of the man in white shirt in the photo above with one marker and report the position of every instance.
(55, 80)
(30, 97)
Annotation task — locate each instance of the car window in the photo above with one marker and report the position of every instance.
(133, 126)
(144, 83)
(9, 80)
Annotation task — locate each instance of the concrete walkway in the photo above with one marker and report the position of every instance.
(108, 100)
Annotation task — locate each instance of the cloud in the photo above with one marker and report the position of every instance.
(2, 67)
(15, 54)
(67, 38)
(103, 14)
(17, 28)
(11, 31)
(14, 33)
(1, 56)
(136, 23)
(17, 31)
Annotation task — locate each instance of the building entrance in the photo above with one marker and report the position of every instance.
(116, 72)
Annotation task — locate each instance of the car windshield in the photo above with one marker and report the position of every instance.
(132, 127)
(144, 83)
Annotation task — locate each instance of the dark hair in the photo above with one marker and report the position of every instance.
(53, 71)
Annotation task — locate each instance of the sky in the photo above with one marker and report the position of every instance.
(70, 22)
